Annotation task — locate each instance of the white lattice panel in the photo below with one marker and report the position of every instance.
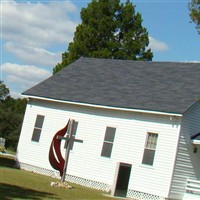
(88, 183)
(69, 178)
(142, 196)
(38, 170)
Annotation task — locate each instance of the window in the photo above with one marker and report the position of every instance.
(37, 128)
(150, 148)
(108, 142)
(74, 129)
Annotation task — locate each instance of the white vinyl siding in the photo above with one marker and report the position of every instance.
(187, 162)
(86, 161)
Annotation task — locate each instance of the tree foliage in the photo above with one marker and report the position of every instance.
(4, 91)
(109, 29)
(194, 8)
(11, 118)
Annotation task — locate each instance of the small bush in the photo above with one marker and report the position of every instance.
(2, 150)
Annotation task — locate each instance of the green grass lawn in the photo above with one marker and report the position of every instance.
(20, 184)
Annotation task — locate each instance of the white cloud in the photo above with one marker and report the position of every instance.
(32, 32)
(157, 45)
(33, 55)
(21, 77)
(15, 95)
(38, 24)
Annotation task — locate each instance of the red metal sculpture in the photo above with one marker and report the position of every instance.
(55, 157)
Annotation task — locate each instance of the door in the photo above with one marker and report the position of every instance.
(122, 179)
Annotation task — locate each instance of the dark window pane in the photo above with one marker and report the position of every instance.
(148, 157)
(36, 135)
(110, 134)
(107, 149)
(74, 128)
(39, 121)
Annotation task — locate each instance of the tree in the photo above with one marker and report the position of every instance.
(194, 8)
(4, 91)
(109, 29)
(11, 118)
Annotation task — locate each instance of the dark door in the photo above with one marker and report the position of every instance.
(122, 180)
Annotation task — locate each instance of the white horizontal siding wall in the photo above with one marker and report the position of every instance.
(154, 179)
(85, 158)
(188, 162)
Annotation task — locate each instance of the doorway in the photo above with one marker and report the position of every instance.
(122, 179)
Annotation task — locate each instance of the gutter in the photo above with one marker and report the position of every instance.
(107, 107)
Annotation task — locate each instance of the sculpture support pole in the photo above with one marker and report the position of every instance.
(69, 141)
(67, 151)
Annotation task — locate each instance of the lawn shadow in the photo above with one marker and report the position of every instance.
(7, 161)
(9, 192)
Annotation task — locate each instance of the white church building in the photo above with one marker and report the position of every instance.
(139, 122)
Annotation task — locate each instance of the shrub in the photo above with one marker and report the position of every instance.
(2, 149)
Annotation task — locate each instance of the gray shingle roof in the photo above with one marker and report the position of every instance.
(156, 86)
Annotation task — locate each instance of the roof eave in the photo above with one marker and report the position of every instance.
(104, 107)
(197, 142)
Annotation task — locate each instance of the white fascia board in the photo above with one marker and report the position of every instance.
(105, 107)
(196, 142)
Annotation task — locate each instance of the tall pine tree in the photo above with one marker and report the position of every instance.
(109, 29)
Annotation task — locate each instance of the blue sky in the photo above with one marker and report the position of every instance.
(35, 33)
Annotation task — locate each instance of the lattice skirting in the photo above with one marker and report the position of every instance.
(142, 196)
(69, 178)
(88, 183)
(38, 170)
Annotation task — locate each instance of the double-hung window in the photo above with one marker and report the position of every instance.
(108, 142)
(150, 149)
(37, 128)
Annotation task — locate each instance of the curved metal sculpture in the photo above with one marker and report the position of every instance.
(55, 157)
